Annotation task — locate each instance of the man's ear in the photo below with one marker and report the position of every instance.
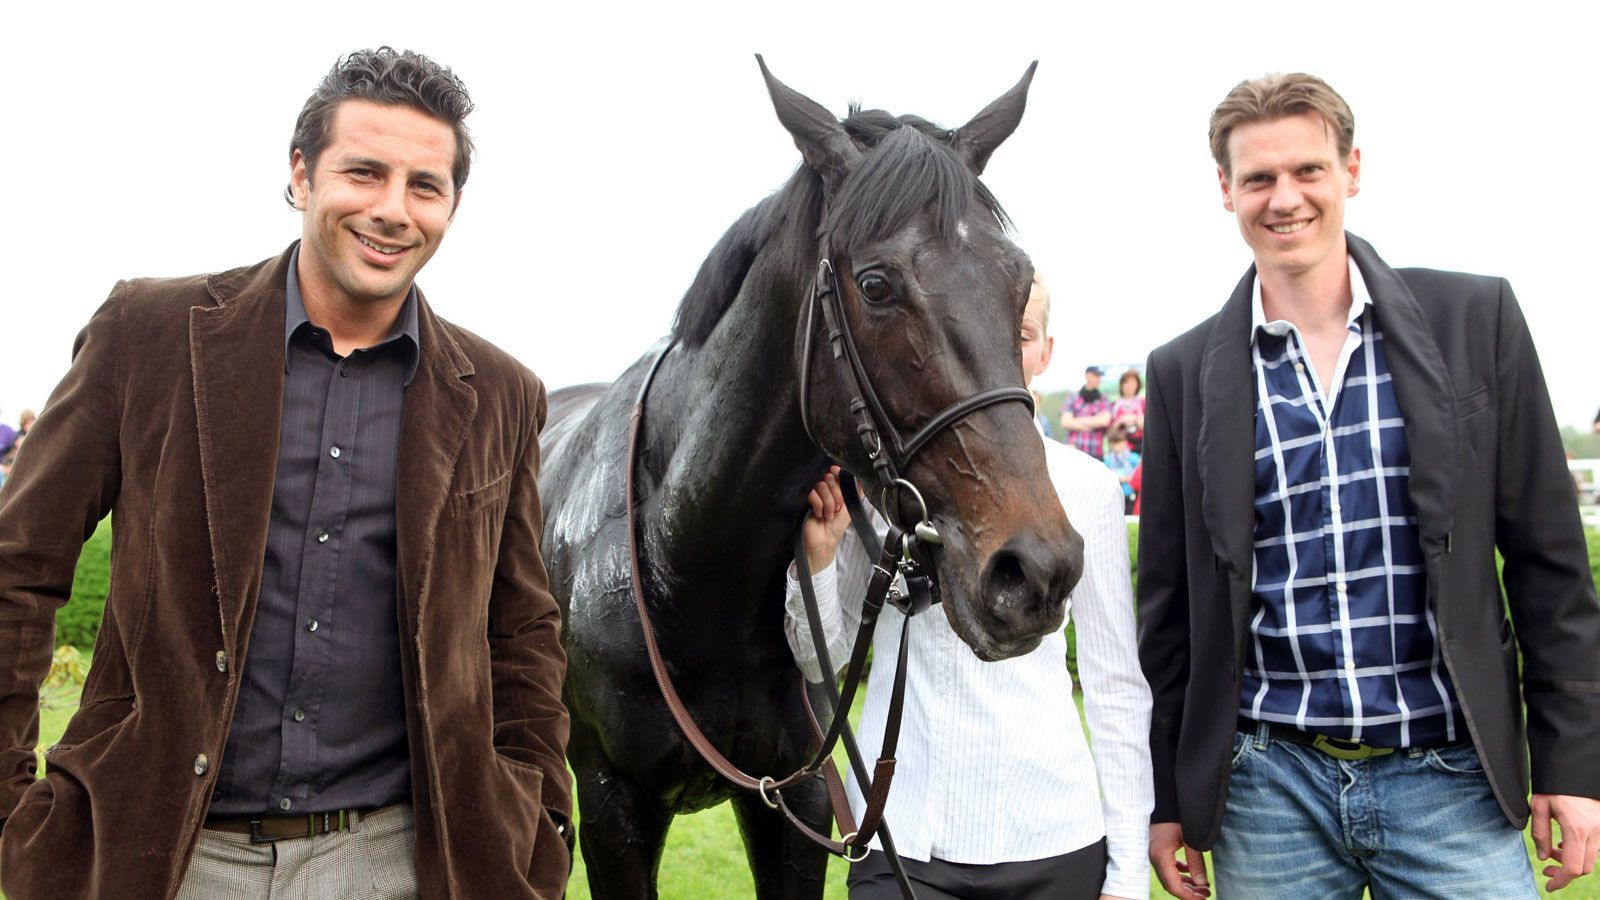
(299, 179)
(1044, 356)
(1227, 189)
(1352, 165)
(455, 203)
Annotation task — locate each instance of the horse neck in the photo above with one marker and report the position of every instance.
(736, 476)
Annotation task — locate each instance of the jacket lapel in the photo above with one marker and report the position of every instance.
(236, 361)
(1227, 442)
(439, 410)
(1425, 391)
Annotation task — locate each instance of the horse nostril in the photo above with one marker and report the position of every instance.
(1006, 586)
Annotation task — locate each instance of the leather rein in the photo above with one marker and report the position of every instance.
(899, 554)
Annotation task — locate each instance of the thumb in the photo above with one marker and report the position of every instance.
(1197, 865)
(1541, 826)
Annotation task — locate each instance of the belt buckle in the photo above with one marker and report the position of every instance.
(256, 837)
(1349, 751)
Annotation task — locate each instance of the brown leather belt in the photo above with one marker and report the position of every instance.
(266, 829)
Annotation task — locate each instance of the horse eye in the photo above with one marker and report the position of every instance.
(876, 289)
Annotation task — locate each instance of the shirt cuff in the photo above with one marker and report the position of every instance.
(1127, 864)
(823, 584)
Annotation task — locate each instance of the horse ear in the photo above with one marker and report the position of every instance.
(822, 141)
(979, 137)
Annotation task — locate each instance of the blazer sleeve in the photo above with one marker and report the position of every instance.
(527, 665)
(66, 478)
(1163, 586)
(1549, 586)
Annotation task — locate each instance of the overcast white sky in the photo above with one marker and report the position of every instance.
(617, 142)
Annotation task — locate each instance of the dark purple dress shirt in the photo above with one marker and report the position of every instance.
(320, 723)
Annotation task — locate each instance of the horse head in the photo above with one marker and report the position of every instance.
(931, 291)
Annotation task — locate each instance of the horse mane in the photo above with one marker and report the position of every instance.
(908, 165)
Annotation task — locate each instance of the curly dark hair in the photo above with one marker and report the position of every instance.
(393, 78)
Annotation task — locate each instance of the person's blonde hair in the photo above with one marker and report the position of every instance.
(1043, 293)
(1278, 96)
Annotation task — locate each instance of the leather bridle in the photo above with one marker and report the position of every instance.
(889, 454)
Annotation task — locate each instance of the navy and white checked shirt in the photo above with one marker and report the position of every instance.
(1342, 640)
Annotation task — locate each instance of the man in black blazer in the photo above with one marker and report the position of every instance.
(1331, 462)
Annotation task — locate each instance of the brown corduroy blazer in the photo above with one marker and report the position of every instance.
(168, 419)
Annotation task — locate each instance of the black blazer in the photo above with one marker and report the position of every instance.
(1487, 472)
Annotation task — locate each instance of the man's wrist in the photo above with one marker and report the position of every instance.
(569, 835)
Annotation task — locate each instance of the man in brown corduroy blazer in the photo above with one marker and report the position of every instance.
(329, 662)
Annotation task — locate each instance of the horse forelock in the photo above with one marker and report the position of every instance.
(909, 165)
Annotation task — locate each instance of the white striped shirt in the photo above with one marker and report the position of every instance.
(993, 763)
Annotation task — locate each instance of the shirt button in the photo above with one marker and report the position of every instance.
(1349, 665)
(1342, 588)
(311, 624)
(285, 803)
(334, 452)
(299, 715)
(322, 537)
(222, 661)
(1299, 367)
(1336, 507)
(201, 764)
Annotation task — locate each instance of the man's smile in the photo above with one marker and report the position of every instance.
(385, 249)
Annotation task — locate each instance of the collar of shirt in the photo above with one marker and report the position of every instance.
(1360, 299)
(294, 316)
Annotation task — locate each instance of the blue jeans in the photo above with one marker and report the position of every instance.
(1414, 823)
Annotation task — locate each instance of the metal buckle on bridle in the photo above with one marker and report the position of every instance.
(924, 529)
(845, 840)
(767, 783)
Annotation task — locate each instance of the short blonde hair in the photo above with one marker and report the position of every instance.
(1277, 96)
(1042, 294)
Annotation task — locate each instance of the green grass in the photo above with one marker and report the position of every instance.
(78, 622)
(704, 859)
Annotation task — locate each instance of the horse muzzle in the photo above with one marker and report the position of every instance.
(1022, 592)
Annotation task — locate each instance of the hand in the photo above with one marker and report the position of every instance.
(1181, 877)
(1579, 818)
(827, 523)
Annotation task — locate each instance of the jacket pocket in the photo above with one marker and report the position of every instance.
(1472, 402)
(524, 809)
(480, 498)
(93, 719)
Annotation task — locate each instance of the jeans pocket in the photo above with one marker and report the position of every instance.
(1243, 746)
(1460, 760)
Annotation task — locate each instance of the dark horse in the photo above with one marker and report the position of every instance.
(934, 292)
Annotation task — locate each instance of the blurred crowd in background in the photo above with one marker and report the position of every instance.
(11, 441)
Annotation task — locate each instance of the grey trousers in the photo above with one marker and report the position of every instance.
(372, 862)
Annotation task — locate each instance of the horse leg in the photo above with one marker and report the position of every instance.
(622, 831)
(784, 863)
